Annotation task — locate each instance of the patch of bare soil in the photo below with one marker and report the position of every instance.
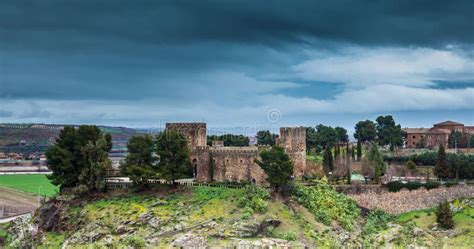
(13, 202)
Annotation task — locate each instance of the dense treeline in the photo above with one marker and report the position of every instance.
(463, 164)
(165, 156)
(229, 140)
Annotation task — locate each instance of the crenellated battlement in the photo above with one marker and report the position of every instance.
(293, 130)
(234, 151)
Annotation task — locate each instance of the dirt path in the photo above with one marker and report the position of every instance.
(13, 202)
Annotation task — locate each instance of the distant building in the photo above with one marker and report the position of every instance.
(435, 136)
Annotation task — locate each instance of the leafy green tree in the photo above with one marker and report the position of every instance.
(173, 153)
(441, 167)
(471, 141)
(266, 138)
(444, 215)
(389, 133)
(73, 161)
(376, 160)
(359, 150)
(365, 131)
(140, 163)
(328, 161)
(277, 165)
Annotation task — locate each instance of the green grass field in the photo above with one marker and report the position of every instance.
(36, 184)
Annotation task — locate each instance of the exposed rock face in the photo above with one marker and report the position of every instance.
(21, 232)
(49, 216)
(189, 240)
(252, 228)
(92, 232)
(266, 243)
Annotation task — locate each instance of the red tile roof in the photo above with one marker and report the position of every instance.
(449, 122)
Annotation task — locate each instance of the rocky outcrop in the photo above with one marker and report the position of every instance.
(49, 216)
(22, 232)
(189, 240)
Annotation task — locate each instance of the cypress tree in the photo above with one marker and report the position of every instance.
(441, 168)
(376, 159)
(353, 153)
(359, 150)
(445, 216)
(328, 162)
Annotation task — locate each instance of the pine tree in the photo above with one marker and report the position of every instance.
(277, 165)
(79, 158)
(140, 164)
(173, 151)
(441, 168)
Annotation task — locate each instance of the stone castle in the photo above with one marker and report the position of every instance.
(220, 163)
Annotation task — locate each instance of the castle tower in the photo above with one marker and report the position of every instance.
(293, 140)
(196, 135)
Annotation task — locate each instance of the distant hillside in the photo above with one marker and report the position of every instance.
(16, 136)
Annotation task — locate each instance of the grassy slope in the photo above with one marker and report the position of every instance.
(197, 205)
(426, 220)
(36, 184)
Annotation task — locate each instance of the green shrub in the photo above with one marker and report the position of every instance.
(326, 204)
(432, 185)
(254, 198)
(451, 183)
(395, 186)
(290, 236)
(376, 220)
(413, 185)
(444, 215)
(411, 165)
(134, 241)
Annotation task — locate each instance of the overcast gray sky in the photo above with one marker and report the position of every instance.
(236, 63)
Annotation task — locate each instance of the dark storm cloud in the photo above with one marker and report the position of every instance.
(140, 59)
(256, 21)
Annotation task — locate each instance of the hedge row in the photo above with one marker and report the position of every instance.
(397, 185)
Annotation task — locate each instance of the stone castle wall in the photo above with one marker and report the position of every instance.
(236, 164)
(293, 140)
(219, 163)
